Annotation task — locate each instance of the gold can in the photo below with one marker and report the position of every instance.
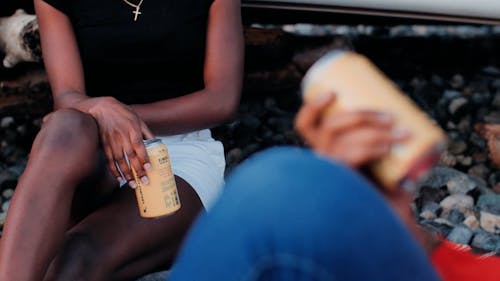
(159, 197)
(359, 85)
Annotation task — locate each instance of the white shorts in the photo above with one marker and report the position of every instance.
(199, 160)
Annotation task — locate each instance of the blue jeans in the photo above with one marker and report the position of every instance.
(288, 214)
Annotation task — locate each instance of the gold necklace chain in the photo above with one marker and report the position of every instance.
(137, 7)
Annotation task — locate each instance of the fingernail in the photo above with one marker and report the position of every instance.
(400, 133)
(148, 167)
(385, 117)
(121, 181)
(132, 184)
(145, 180)
(322, 98)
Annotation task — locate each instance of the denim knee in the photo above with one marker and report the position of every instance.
(289, 267)
(290, 202)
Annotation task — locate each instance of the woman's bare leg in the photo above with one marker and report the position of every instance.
(115, 243)
(64, 152)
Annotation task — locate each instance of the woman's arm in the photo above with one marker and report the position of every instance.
(60, 55)
(121, 130)
(223, 74)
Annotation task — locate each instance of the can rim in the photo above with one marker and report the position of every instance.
(149, 142)
(319, 66)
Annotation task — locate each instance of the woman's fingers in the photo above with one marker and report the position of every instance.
(122, 133)
(366, 152)
(332, 128)
(310, 114)
(351, 120)
(364, 145)
(145, 131)
(130, 155)
(121, 161)
(111, 162)
(137, 156)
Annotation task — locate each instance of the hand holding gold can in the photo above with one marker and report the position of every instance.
(159, 197)
(359, 86)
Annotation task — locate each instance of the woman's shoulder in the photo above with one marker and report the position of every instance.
(61, 5)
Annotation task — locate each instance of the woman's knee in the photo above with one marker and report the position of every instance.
(67, 129)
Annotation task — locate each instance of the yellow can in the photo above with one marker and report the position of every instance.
(360, 85)
(159, 197)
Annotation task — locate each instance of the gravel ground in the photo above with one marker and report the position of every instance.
(452, 72)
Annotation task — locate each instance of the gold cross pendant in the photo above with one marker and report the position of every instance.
(136, 12)
(137, 7)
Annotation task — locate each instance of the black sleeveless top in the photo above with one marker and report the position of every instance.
(159, 56)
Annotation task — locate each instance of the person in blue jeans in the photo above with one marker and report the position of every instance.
(293, 213)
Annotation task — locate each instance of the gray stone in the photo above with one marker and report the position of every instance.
(235, 155)
(438, 226)
(464, 126)
(447, 159)
(461, 235)
(496, 99)
(490, 222)
(460, 185)
(450, 125)
(5, 206)
(480, 157)
(486, 241)
(451, 94)
(492, 117)
(428, 195)
(477, 140)
(431, 206)
(251, 122)
(457, 104)
(7, 194)
(21, 130)
(457, 147)
(457, 81)
(6, 122)
(444, 222)
(481, 98)
(464, 160)
(494, 178)
(481, 185)
(427, 215)
(460, 202)
(17, 169)
(455, 217)
(472, 222)
(8, 179)
(491, 70)
(3, 215)
(479, 170)
(456, 181)
(489, 203)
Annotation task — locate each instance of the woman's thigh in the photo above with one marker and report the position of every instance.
(94, 190)
(114, 243)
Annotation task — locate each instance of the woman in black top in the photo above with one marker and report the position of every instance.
(121, 71)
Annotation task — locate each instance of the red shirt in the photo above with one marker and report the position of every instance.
(455, 262)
